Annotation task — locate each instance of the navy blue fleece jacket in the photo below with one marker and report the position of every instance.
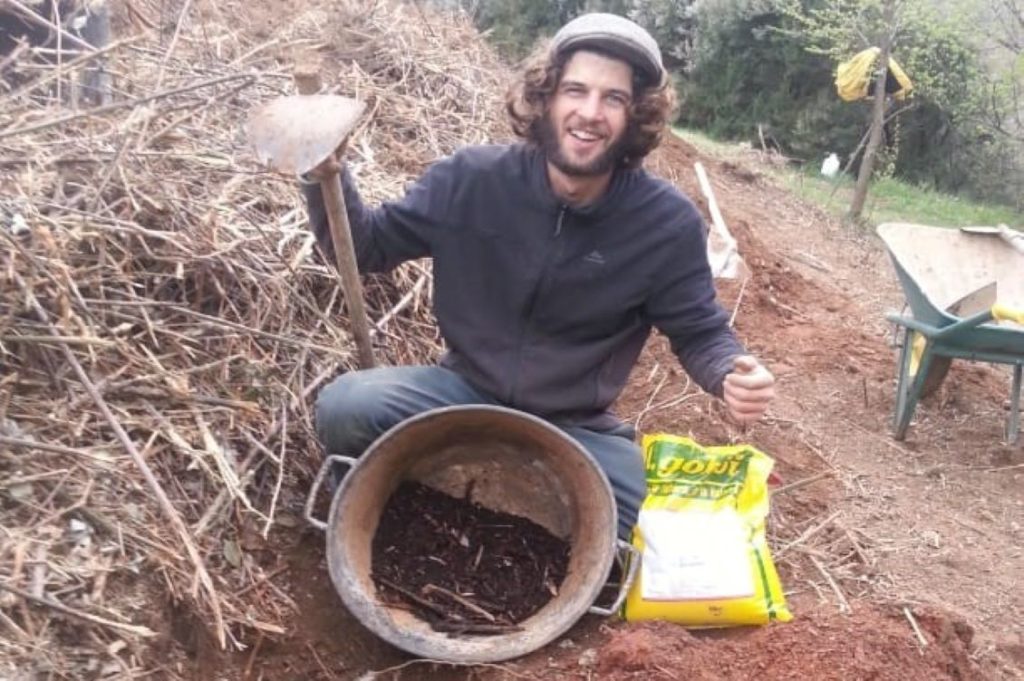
(542, 305)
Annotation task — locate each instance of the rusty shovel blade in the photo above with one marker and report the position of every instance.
(295, 134)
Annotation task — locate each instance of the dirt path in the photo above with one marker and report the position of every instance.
(938, 518)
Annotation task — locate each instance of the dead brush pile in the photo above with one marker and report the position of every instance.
(165, 320)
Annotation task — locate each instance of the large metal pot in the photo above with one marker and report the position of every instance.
(519, 464)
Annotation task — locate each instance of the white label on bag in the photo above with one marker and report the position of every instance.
(694, 555)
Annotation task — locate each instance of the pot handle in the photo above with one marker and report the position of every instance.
(627, 582)
(315, 488)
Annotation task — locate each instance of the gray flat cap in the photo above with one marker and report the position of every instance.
(617, 35)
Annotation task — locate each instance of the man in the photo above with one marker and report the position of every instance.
(553, 260)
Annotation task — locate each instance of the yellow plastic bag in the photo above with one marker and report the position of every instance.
(853, 77)
(704, 558)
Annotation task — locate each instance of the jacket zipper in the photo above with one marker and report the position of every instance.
(532, 302)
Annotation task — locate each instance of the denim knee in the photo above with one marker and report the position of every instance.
(344, 413)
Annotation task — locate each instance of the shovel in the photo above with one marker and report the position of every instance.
(1014, 238)
(294, 135)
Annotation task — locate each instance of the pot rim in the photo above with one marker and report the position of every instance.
(437, 645)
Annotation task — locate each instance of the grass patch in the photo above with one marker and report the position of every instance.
(889, 200)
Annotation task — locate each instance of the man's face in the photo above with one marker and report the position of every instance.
(587, 117)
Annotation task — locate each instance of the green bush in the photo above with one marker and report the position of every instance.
(742, 66)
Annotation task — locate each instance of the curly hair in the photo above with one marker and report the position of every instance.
(529, 96)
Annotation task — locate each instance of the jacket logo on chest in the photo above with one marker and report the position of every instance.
(594, 257)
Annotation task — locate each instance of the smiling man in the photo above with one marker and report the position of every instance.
(553, 260)
(584, 130)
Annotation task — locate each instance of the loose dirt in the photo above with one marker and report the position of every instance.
(816, 647)
(464, 568)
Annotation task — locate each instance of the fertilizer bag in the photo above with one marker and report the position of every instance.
(704, 558)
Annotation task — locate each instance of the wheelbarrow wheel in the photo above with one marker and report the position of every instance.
(936, 375)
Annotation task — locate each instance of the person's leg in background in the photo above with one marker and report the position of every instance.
(622, 461)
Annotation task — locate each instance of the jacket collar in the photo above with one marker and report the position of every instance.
(540, 183)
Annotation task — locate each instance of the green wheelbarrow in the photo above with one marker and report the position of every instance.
(951, 280)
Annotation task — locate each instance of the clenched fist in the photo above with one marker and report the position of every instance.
(748, 389)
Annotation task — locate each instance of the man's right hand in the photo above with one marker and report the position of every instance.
(330, 166)
(748, 389)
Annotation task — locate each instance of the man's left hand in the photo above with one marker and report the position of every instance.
(748, 389)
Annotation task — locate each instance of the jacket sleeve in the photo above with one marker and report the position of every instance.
(395, 231)
(683, 307)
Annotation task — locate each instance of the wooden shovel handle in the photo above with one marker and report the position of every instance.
(348, 268)
(307, 81)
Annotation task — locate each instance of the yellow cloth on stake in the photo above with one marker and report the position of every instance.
(854, 77)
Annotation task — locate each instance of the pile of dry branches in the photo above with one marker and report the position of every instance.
(165, 320)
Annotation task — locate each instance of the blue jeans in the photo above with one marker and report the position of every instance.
(359, 406)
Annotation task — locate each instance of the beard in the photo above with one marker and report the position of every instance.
(601, 164)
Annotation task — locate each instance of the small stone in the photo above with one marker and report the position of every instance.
(232, 553)
(19, 225)
(931, 537)
(588, 658)
(20, 491)
(286, 520)
(566, 643)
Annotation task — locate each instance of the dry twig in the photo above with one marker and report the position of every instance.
(132, 629)
(913, 625)
(844, 605)
(147, 473)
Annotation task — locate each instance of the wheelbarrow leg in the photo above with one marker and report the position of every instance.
(1013, 425)
(908, 388)
(901, 417)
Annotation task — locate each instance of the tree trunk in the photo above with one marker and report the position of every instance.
(877, 120)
